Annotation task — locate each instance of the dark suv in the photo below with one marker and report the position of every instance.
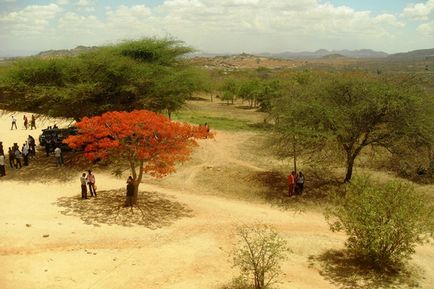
(57, 135)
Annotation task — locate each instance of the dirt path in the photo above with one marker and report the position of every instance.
(52, 239)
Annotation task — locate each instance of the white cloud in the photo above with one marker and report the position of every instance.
(85, 3)
(419, 11)
(31, 19)
(426, 29)
(62, 2)
(224, 25)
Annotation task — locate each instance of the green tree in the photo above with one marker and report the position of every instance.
(147, 73)
(384, 222)
(353, 111)
(230, 90)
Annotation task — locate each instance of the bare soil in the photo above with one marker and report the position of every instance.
(181, 234)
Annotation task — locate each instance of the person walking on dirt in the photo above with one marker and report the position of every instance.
(26, 121)
(33, 122)
(291, 183)
(130, 192)
(90, 178)
(300, 184)
(14, 123)
(83, 186)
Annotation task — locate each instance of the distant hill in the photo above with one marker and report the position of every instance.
(415, 55)
(333, 56)
(362, 53)
(65, 52)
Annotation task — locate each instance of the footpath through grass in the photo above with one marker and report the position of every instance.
(216, 122)
(221, 116)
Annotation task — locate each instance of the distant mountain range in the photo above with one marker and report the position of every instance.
(362, 53)
(415, 55)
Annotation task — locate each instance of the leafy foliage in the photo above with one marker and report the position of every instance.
(352, 110)
(148, 73)
(384, 222)
(258, 254)
(146, 141)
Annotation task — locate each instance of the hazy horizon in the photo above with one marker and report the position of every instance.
(216, 27)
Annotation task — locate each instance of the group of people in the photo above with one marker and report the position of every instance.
(295, 184)
(15, 155)
(88, 180)
(25, 122)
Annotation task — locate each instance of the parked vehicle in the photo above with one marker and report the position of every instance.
(57, 135)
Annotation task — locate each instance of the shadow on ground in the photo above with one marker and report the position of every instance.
(347, 273)
(152, 211)
(275, 187)
(43, 169)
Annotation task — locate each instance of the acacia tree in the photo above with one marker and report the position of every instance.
(143, 74)
(146, 141)
(353, 111)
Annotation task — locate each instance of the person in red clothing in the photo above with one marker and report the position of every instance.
(292, 178)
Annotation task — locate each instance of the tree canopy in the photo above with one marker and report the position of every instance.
(147, 73)
(144, 141)
(352, 110)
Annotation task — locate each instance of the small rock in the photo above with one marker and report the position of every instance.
(94, 253)
(46, 235)
(28, 225)
(46, 270)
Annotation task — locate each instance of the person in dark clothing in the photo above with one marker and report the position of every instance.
(47, 148)
(26, 121)
(33, 122)
(2, 152)
(32, 145)
(11, 157)
(83, 186)
(130, 192)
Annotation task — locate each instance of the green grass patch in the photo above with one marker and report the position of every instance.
(219, 123)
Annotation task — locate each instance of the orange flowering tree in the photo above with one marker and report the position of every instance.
(145, 141)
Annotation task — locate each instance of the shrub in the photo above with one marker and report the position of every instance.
(384, 222)
(258, 254)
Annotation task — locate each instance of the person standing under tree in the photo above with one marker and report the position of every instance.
(291, 183)
(58, 155)
(91, 182)
(130, 192)
(2, 165)
(11, 157)
(83, 186)
(300, 184)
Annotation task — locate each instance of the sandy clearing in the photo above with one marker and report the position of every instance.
(190, 251)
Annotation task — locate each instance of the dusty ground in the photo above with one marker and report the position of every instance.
(179, 238)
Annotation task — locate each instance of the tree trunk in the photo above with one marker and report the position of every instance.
(294, 151)
(137, 178)
(350, 164)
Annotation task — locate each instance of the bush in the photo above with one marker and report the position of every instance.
(258, 254)
(384, 222)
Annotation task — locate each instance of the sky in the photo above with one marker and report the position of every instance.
(219, 26)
